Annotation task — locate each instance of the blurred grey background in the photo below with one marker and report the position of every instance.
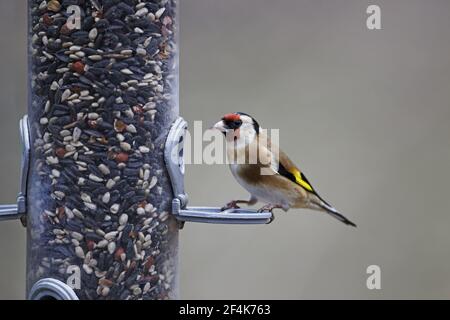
(366, 114)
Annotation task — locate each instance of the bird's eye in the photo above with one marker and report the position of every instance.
(232, 124)
(235, 124)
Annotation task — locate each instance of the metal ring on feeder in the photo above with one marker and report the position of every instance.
(51, 289)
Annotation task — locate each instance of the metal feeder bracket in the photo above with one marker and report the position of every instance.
(173, 154)
(19, 210)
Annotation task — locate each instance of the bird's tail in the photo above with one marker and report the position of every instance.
(334, 213)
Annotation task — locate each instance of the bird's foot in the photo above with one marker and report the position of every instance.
(269, 207)
(230, 205)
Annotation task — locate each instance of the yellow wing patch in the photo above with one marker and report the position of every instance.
(302, 182)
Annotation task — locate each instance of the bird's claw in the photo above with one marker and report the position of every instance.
(269, 208)
(266, 208)
(230, 205)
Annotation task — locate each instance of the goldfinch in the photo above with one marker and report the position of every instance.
(271, 177)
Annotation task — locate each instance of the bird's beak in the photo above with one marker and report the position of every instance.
(219, 126)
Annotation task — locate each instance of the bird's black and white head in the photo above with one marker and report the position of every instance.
(238, 127)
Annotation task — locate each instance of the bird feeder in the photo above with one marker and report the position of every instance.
(103, 96)
(102, 180)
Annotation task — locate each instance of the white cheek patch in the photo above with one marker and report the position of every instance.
(243, 138)
(250, 136)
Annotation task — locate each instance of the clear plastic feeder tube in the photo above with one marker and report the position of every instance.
(103, 95)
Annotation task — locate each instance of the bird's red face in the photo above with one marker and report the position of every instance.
(236, 125)
(230, 122)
